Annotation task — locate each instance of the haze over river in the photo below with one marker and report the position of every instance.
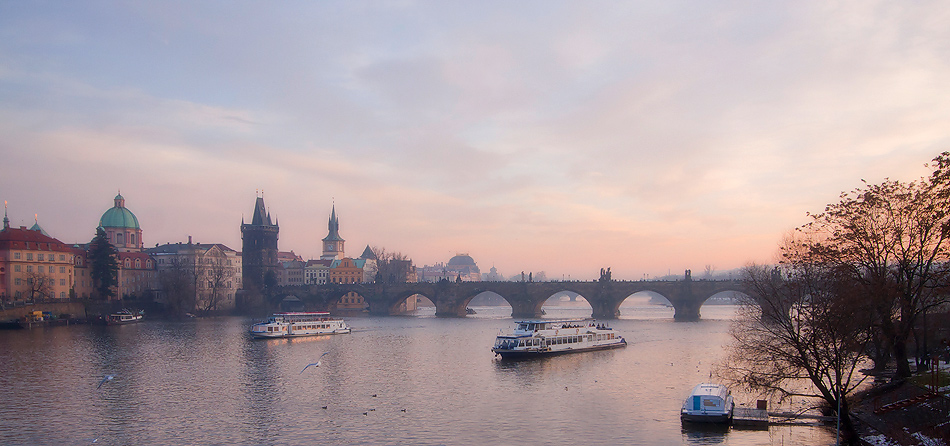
(415, 380)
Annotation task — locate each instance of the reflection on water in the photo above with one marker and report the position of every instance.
(397, 380)
(704, 433)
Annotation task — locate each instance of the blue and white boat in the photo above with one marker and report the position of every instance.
(708, 403)
(532, 338)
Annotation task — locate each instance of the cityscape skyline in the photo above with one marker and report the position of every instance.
(562, 137)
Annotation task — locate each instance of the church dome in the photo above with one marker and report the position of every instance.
(462, 260)
(118, 216)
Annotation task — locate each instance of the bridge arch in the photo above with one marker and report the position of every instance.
(566, 303)
(398, 304)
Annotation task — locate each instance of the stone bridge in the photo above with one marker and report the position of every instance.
(526, 298)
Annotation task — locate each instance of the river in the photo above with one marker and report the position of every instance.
(413, 380)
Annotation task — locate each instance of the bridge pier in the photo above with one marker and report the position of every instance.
(686, 313)
(685, 303)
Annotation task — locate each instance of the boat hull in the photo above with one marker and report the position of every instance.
(525, 354)
(706, 418)
(260, 335)
(123, 322)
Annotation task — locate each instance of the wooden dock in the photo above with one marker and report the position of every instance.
(746, 417)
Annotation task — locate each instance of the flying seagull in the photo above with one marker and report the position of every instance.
(315, 364)
(104, 379)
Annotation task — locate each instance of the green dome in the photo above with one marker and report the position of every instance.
(119, 216)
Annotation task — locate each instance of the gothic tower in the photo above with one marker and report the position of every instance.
(259, 256)
(333, 243)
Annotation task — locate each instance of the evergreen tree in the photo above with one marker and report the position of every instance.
(105, 266)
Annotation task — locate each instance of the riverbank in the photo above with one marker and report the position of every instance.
(903, 413)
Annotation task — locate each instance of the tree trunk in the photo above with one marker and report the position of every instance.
(900, 357)
(849, 435)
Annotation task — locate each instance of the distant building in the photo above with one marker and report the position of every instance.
(122, 227)
(259, 249)
(213, 271)
(137, 275)
(347, 270)
(461, 267)
(291, 273)
(316, 272)
(493, 276)
(287, 256)
(33, 265)
(82, 277)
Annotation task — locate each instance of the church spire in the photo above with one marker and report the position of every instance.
(333, 227)
(6, 221)
(333, 243)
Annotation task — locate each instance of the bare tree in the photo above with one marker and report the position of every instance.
(892, 239)
(40, 285)
(392, 267)
(216, 275)
(178, 282)
(797, 336)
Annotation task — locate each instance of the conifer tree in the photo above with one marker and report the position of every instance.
(104, 263)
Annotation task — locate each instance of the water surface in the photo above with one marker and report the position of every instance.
(394, 380)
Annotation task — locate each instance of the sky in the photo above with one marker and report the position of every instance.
(650, 137)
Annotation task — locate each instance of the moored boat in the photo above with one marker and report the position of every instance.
(123, 317)
(708, 403)
(532, 338)
(296, 324)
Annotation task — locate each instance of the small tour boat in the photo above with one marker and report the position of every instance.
(533, 338)
(708, 403)
(288, 325)
(124, 316)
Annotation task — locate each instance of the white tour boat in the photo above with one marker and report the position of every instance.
(550, 337)
(123, 317)
(288, 325)
(709, 403)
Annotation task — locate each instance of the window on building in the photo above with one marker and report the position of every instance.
(128, 263)
(119, 239)
(62, 294)
(39, 257)
(62, 257)
(62, 282)
(17, 282)
(138, 263)
(132, 239)
(29, 256)
(16, 268)
(62, 269)
(29, 268)
(16, 255)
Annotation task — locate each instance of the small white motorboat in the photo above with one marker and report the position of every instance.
(708, 403)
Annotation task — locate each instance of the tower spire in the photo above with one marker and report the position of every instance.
(333, 243)
(6, 221)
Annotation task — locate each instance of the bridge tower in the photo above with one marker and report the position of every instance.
(333, 243)
(259, 249)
